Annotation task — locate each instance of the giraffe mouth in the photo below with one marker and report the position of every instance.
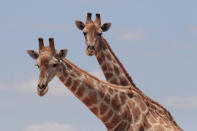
(42, 90)
(90, 52)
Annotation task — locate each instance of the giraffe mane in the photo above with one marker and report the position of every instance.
(92, 76)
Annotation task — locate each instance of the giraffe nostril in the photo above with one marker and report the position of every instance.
(91, 47)
(42, 86)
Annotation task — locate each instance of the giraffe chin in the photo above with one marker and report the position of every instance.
(42, 92)
(90, 52)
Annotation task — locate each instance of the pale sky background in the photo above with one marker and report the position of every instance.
(155, 40)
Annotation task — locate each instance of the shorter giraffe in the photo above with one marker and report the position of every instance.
(120, 108)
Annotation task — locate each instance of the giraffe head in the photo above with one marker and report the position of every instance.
(92, 31)
(49, 63)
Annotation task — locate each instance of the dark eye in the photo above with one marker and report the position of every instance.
(37, 65)
(84, 33)
(54, 65)
(99, 34)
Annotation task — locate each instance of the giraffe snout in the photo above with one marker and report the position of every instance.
(91, 47)
(42, 86)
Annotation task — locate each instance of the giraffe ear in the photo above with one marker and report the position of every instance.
(106, 26)
(80, 25)
(33, 54)
(62, 53)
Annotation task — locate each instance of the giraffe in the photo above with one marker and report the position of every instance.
(112, 68)
(120, 108)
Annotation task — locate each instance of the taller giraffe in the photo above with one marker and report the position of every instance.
(112, 68)
(120, 108)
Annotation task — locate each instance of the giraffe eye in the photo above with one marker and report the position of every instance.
(84, 33)
(99, 34)
(54, 65)
(37, 65)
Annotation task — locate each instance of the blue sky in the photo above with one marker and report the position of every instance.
(155, 40)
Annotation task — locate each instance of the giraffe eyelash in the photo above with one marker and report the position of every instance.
(37, 65)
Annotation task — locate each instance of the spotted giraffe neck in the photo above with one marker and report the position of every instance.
(112, 68)
(118, 107)
(101, 98)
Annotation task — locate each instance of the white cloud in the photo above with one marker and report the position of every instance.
(138, 34)
(187, 102)
(50, 127)
(192, 29)
(58, 27)
(91, 0)
(183, 45)
(98, 74)
(3, 87)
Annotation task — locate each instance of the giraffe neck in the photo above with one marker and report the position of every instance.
(101, 98)
(112, 68)
(118, 107)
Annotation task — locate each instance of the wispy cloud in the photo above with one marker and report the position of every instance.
(138, 34)
(183, 45)
(50, 127)
(186, 102)
(91, 1)
(192, 29)
(35, 26)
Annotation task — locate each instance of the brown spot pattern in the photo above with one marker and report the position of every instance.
(113, 122)
(143, 106)
(62, 78)
(139, 127)
(122, 98)
(136, 114)
(121, 127)
(114, 81)
(110, 91)
(109, 67)
(69, 82)
(108, 75)
(75, 85)
(94, 110)
(104, 67)
(116, 70)
(101, 91)
(80, 91)
(147, 125)
(115, 103)
(100, 60)
(108, 57)
(107, 116)
(69, 66)
(103, 108)
(124, 82)
(151, 118)
(90, 99)
(159, 128)
(107, 98)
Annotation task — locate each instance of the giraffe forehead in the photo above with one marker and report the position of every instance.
(44, 60)
(92, 28)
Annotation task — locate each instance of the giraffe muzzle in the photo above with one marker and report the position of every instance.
(91, 47)
(42, 89)
(42, 86)
(90, 50)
